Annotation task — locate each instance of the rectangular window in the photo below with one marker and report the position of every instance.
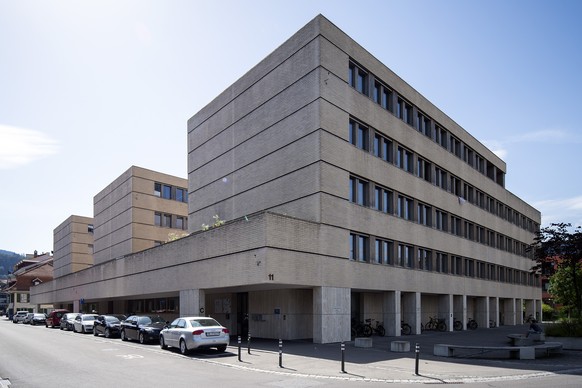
(440, 178)
(405, 208)
(383, 199)
(424, 214)
(383, 251)
(424, 170)
(455, 146)
(181, 195)
(424, 258)
(358, 78)
(166, 192)
(405, 255)
(469, 230)
(442, 262)
(456, 226)
(358, 135)
(382, 148)
(158, 189)
(158, 219)
(404, 159)
(167, 220)
(358, 247)
(180, 223)
(455, 186)
(441, 136)
(441, 220)
(358, 191)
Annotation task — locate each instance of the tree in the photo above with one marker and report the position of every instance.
(559, 246)
(562, 289)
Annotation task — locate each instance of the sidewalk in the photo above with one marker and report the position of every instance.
(303, 358)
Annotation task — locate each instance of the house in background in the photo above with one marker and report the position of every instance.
(32, 271)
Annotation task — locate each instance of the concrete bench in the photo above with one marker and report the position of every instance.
(400, 346)
(520, 352)
(520, 340)
(363, 342)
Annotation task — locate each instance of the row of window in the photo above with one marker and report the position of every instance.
(367, 84)
(375, 250)
(153, 306)
(166, 220)
(370, 194)
(384, 148)
(165, 191)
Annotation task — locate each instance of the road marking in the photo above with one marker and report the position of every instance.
(129, 356)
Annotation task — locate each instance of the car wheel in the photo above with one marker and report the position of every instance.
(46, 325)
(95, 332)
(122, 335)
(183, 348)
(107, 333)
(221, 349)
(82, 329)
(141, 338)
(163, 343)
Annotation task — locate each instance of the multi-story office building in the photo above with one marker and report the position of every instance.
(347, 195)
(73, 245)
(138, 210)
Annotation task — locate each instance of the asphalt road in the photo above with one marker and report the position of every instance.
(34, 356)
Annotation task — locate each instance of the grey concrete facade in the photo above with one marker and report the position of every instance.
(73, 245)
(276, 155)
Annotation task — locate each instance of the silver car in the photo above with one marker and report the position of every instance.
(188, 333)
(84, 323)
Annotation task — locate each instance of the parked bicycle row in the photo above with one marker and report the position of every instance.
(372, 326)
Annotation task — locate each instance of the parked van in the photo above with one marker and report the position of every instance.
(53, 319)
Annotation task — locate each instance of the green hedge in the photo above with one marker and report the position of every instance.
(564, 328)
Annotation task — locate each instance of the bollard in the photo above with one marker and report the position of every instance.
(249, 343)
(343, 348)
(280, 353)
(417, 351)
(239, 349)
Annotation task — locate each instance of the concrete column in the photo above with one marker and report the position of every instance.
(331, 314)
(446, 310)
(410, 306)
(76, 306)
(192, 302)
(392, 314)
(482, 312)
(494, 310)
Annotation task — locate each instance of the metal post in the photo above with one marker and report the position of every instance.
(417, 351)
(280, 353)
(249, 343)
(239, 348)
(343, 348)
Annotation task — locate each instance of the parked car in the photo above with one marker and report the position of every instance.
(142, 328)
(190, 333)
(67, 321)
(84, 323)
(108, 325)
(19, 316)
(28, 318)
(53, 318)
(38, 319)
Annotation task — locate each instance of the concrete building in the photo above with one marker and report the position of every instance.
(73, 245)
(137, 211)
(347, 195)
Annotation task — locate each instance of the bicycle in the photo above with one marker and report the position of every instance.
(405, 328)
(492, 323)
(360, 329)
(435, 324)
(472, 324)
(457, 325)
(378, 329)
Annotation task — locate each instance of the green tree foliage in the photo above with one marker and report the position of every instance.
(559, 246)
(562, 287)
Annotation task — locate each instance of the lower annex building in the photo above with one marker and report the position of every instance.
(346, 195)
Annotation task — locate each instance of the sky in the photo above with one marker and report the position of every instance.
(90, 88)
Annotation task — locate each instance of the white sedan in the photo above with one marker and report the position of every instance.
(84, 323)
(188, 333)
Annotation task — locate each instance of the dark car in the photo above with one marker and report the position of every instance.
(53, 319)
(142, 328)
(108, 325)
(38, 319)
(68, 321)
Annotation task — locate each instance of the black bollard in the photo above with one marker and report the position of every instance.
(249, 343)
(239, 349)
(417, 351)
(343, 348)
(280, 353)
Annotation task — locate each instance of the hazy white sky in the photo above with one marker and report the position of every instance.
(89, 88)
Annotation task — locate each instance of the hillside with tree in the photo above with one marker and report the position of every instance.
(7, 261)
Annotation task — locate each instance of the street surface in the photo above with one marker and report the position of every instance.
(34, 356)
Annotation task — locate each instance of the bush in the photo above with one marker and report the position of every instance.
(565, 328)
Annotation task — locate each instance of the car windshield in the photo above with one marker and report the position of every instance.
(111, 319)
(88, 317)
(157, 320)
(207, 322)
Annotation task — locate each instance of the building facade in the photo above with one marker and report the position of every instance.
(347, 196)
(138, 210)
(73, 245)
